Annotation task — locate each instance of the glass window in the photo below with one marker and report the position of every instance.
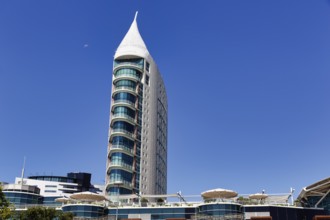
(122, 125)
(138, 61)
(128, 72)
(125, 83)
(125, 96)
(119, 140)
(124, 110)
(147, 66)
(147, 80)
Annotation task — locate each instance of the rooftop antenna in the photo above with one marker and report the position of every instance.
(22, 177)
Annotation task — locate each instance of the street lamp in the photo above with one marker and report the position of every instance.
(139, 197)
(117, 184)
(291, 194)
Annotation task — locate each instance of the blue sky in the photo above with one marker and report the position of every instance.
(247, 83)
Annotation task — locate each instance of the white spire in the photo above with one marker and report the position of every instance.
(132, 44)
(136, 14)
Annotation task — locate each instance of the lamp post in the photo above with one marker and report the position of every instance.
(291, 194)
(117, 184)
(139, 197)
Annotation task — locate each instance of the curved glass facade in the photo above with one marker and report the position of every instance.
(227, 211)
(124, 96)
(122, 141)
(122, 125)
(122, 110)
(124, 154)
(86, 211)
(124, 83)
(128, 72)
(22, 198)
(121, 159)
(117, 175)
(159, 213)
(138, 62)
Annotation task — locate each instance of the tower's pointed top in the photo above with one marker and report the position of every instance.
(136, 14)
(132, 44)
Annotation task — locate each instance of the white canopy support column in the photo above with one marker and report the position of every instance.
(322, 198)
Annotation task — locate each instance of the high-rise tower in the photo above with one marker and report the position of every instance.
(137, 150)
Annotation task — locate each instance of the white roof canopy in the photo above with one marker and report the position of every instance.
(219, 193)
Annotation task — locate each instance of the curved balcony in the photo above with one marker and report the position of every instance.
(121, 132)
(123, 102)
(121, 148)
(122, 117)
(129, 76)
(124, 89)
(123, 183)
(119, 165)
(129, 65)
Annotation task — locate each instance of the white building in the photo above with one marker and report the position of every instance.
(137, 150)
(52, 187)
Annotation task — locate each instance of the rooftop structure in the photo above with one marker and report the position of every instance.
(44, 190)
(316, 195)
(214, 204)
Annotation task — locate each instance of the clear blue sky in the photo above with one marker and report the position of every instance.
(247, 83)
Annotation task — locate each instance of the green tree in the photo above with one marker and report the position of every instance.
(65, 215)
(43, 213)
(5, 211)
(160, 201)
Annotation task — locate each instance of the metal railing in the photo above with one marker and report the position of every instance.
(123, 115)
(121, 164)
(126, 75)
(26, 206)
(125, 101)
(124, 183)
(121, 88)
(119, 130)
(128, 64)
(122, 147)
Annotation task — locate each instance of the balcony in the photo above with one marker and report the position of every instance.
(119, 164)
(123, 183)
(129, 76)
(123, 102)
(129, 65)
(123, 132)
(121, 148)
(122, 117)
(124, 89)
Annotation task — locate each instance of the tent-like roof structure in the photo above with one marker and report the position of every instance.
(62, 199)
(320, 188)
(258, 196)
(219, 193)
(87, 196)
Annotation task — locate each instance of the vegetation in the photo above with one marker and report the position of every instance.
(43, 213)
(160, 201)
(244, 201)
(5, 211)
(144, 200)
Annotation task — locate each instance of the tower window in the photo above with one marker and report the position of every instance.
(147, 66)
(147, 80)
